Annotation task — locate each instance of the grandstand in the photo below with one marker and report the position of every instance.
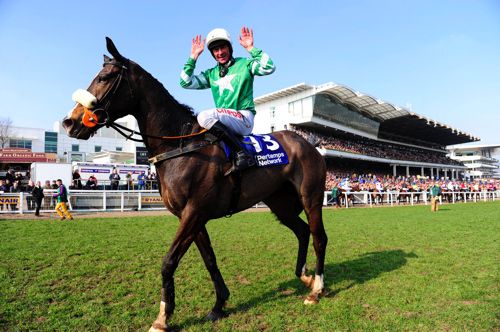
(362, 134)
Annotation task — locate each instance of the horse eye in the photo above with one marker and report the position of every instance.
(104, 77)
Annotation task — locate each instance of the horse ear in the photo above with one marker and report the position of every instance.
(113, 50)
(106, 58)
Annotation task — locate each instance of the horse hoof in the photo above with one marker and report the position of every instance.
(159, 328)
(213, 315)
(311, 299)
(308, 281)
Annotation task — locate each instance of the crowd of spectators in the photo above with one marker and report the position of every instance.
(17, 182)
(14, 182)
(373, 148)
(142, 182)
(414, 183)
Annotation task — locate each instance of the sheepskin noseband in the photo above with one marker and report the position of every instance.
(84, 98)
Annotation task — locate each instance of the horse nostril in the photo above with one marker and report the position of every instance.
(67, 123)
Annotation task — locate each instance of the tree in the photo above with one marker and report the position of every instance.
(5, 126)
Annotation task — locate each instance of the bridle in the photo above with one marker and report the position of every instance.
(90, 117)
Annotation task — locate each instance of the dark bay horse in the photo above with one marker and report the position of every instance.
(193, 186)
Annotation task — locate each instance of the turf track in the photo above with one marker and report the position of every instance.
(401, 268)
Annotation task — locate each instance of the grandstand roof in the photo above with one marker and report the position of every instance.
(283, 93)
(395, 121)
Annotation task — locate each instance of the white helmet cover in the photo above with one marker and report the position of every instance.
(216, 35)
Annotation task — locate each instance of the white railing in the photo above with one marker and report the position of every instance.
(122, 184)
(147, 200)
(391, 198)
(85, 200)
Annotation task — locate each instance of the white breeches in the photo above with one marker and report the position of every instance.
(239, 122)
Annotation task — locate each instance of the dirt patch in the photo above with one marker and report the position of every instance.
(103, 214)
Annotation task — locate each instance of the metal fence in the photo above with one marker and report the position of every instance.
(391, 198)
(122, 184)
(147, 200)
(85, 200)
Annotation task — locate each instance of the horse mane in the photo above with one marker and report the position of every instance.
(164, 93)
(171, 98)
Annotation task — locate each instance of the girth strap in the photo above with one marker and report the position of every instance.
(235, 194)
(180, 151)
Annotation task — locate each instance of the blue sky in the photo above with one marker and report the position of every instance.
(442, 58)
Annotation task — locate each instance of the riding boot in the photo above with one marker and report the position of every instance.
(243, 160)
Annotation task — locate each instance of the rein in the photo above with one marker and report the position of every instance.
(120, 128)
(90, 119)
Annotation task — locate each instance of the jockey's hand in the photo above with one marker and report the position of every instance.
(197, 46)
(246, 38)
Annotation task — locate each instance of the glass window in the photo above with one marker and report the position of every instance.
(20, 143)
(51, 147)
(296, 107)
(97, 148)
(50, 141)
(273, 112)
(75, 147)
(119, 148)
(327, 107)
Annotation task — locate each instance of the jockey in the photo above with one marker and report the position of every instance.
(231, 82)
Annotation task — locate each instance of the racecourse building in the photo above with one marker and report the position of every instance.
(361, 133)
(24, 146)
(482, 161)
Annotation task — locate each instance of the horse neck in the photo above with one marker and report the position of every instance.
(159, 114)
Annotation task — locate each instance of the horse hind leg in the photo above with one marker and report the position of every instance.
(320, 241)
(286, 205)
(313, 206)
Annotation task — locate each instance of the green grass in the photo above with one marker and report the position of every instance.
(402, 269)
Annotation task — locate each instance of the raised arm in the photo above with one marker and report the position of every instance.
(261, 63)
(188, 80)
(197, 47)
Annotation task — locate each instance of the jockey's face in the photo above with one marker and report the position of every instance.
(222, 54)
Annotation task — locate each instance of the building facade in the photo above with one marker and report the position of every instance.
(482, 161)
(339, 111)
(106, 145)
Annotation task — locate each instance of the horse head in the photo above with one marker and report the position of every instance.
(109, 97)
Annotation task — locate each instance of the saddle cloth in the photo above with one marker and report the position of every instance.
(266, 150)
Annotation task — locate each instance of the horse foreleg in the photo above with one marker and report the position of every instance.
(202, 241)
(183, 239)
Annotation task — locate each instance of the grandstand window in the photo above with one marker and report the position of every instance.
(327, 107)
(273, 112)
(50, 142)
(290, 108)
(97, 148)
(295, 107)
(307, 106)
(20, 143)
(119, 148)
(75, 147)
